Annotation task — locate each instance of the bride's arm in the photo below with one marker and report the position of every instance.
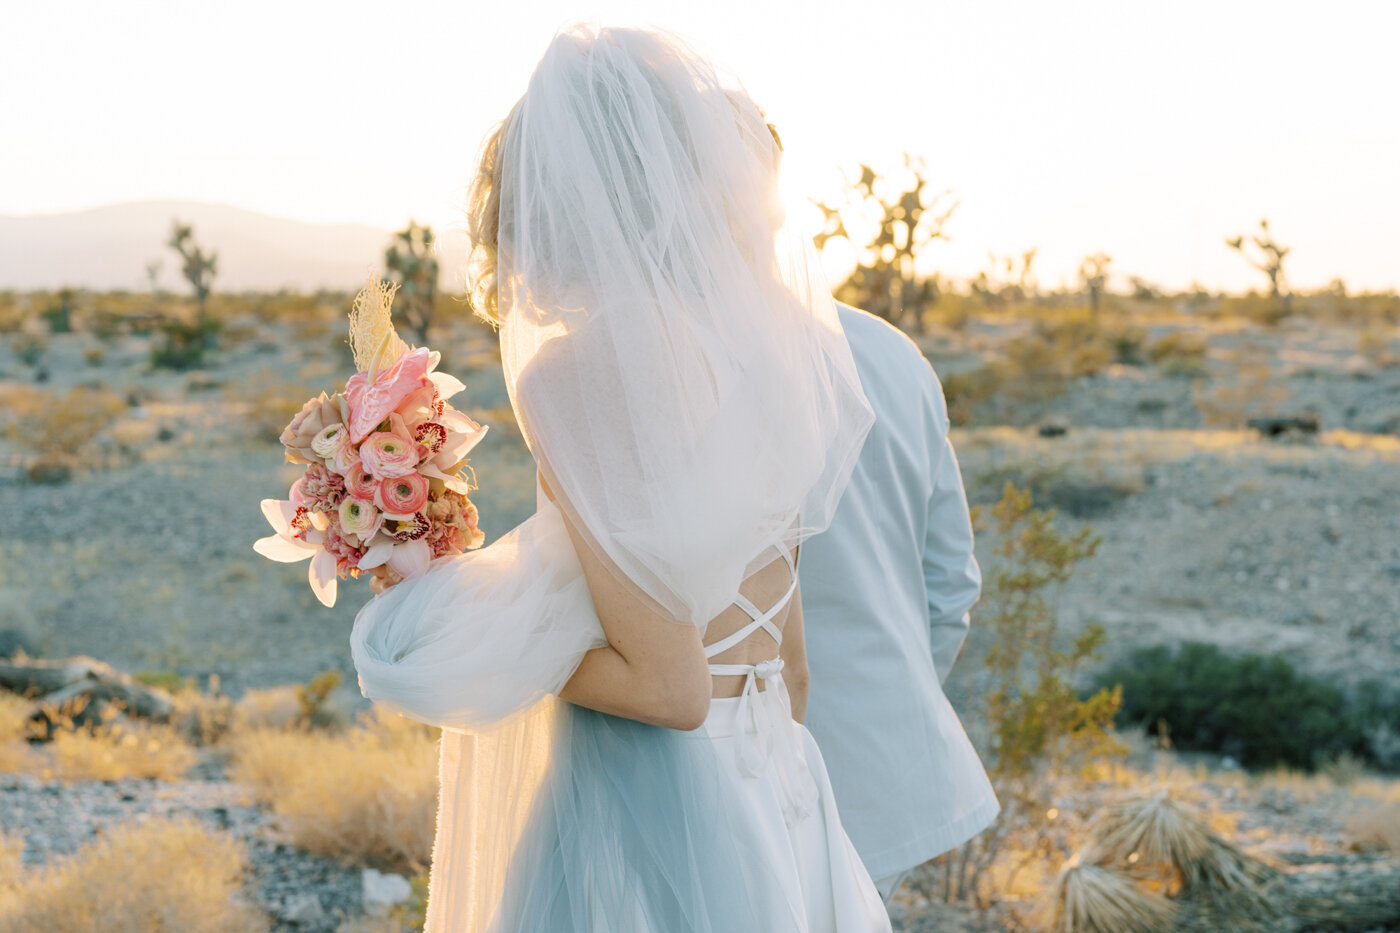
(793, 651)
(654, 668)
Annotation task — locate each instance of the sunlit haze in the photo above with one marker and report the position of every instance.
(1147, 131)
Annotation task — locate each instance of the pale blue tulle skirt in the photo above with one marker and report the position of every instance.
(648, 830)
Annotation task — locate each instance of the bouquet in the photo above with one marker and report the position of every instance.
(384, 490)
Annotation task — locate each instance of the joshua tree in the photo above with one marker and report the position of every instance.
(412, 262)
(199, 267)
(1268, 261)
(1093, 271)
(884, 281)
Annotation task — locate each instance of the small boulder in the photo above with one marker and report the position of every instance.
(1291, 424)
(382, 891)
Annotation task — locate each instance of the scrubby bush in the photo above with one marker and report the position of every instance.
(368, 794)
(1256, 709)
(1040, 728)
(185, 344)
(115, 751)
(1179, 353)
(143, 876)
(60, 434)
(15, 756)
(30, 349)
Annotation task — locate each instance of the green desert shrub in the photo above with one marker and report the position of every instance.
(1258, 709)
(1179, 353)
(184, 344)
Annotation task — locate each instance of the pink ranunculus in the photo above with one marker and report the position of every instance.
(402, 495)
(344, 457)
(386, 454)
(360, 518)
(329, 441)
(370, 404)
(359, 482)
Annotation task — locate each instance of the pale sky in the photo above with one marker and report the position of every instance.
(1148, 131)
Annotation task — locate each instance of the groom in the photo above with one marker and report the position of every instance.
(885, 597)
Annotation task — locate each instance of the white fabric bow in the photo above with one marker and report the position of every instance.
(764, 733)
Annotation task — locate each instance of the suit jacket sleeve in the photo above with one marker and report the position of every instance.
(951, 576)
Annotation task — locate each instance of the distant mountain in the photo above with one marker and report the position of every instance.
(108, 248)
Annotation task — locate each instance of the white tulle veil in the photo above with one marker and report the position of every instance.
(677, 367)
(671, 348)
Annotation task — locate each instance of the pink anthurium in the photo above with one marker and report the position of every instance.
(370, 403)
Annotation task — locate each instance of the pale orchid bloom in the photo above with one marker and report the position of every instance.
(462, 435)
(406, 558)
(286, 548)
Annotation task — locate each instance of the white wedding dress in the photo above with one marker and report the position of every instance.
(564, 819)
(679, 373)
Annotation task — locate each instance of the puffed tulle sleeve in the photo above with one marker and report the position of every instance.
(483, 636)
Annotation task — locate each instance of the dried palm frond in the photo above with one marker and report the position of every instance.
(1228, 870)
(373, 339)
(1089, 898)
(1152, 835)
(1158, 838)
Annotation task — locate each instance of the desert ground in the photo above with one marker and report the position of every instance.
(138, 553)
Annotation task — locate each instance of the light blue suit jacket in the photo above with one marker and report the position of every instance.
(885, 597)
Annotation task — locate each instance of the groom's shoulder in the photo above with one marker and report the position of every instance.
(880, 347)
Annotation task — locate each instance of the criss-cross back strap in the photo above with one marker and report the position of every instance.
(763, 620)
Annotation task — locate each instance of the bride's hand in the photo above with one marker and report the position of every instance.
(381, 578)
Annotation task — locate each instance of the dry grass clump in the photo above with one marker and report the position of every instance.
(1180, 353)
(15, 756)
(61, 434)
(118, 750)
(368, 794)
(296, 706)
(1376, 828)
(1247, 389)
(1378, 345)
(203, 718)
(140, 877)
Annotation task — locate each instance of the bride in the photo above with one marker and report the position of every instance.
(621, 679)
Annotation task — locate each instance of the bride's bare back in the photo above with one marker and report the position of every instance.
(658, 673)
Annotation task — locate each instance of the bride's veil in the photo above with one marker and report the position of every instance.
(677, 367)
(671, 349)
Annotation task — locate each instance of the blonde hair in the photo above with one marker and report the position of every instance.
(484, 224)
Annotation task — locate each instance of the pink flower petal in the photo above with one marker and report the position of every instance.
(378, 554)
(279, 514)
(447, 385)
(411, 558)
(454, 483)
(321, 575)
(371, 404)
(283, 550)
